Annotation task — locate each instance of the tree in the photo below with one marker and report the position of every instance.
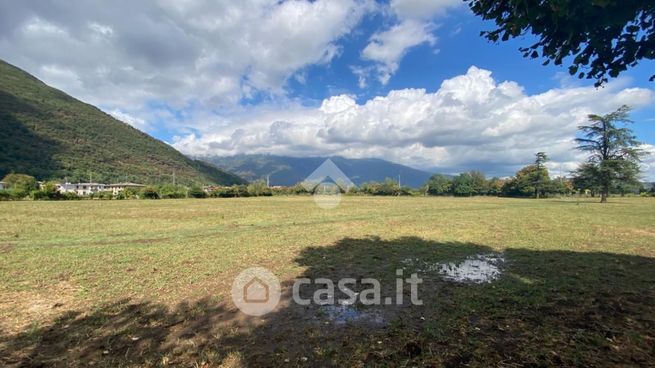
(523, 184)
(585, 177)
(20, 185)
(478, 182)
(540, 170)
(494, 186)
(438, 185)
(463, 185)
(614, 150)
(601, 38)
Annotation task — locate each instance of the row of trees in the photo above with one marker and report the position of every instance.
(530, 181)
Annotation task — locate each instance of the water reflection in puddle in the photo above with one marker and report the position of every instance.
(477, 269)
(342, 314)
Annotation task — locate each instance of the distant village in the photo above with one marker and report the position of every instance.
(84, 189)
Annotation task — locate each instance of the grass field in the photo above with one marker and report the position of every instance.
(147, 283)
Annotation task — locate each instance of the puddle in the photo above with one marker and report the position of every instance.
(342, 314)
(477, 269)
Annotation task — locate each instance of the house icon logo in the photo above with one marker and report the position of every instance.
(326, 183)
(256, 291)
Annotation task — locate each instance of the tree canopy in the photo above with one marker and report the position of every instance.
(601, 37)
(614, 151)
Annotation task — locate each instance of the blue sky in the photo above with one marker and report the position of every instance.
(411, 81)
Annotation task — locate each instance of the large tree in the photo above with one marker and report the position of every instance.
(597, 38)
(614, 152)
(540, 160)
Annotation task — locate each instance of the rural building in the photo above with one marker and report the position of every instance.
(3, 185)
(211, 188)
(81, 189)
(119, 187)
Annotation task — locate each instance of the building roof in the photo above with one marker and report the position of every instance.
(126, 185)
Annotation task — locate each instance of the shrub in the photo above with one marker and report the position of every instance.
(197, 192)
(172, 191)
(104, 195)
(70, 196)
(258, 189)
(48, 191)
(149, 193)
(4, 195)
(130, 193)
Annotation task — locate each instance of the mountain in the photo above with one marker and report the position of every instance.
(50, 135)
(285, 170)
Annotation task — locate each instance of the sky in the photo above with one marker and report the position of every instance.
(409, 81)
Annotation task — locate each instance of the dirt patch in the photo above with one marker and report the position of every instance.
(7, 248)
(24, 308)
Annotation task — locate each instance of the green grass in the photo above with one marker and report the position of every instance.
(80, 279)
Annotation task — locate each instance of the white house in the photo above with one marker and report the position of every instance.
(81, 189)
(3, 185)
(119, 187)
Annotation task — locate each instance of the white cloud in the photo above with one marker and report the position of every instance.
(648, 163)
(388, 48)
(134, 121)
(413, 27)
(470, 122)
(180, 53)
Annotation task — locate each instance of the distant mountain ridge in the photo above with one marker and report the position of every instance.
(285, 170)
(51, 135)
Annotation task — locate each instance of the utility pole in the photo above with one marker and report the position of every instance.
(174, 177)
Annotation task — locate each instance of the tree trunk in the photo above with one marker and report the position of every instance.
(603, 195)
(604, 192)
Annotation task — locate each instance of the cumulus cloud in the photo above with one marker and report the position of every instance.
(470, 122)
(178, 52)
(388, 47)
(413, 27)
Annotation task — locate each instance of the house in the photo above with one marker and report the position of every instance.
(119, 187)
(211, 188)
(3, 185)
(81, 189)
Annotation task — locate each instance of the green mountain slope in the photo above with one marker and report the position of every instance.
(283, 170)
(47, 133)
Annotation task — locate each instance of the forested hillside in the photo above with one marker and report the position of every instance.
(51, 135)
